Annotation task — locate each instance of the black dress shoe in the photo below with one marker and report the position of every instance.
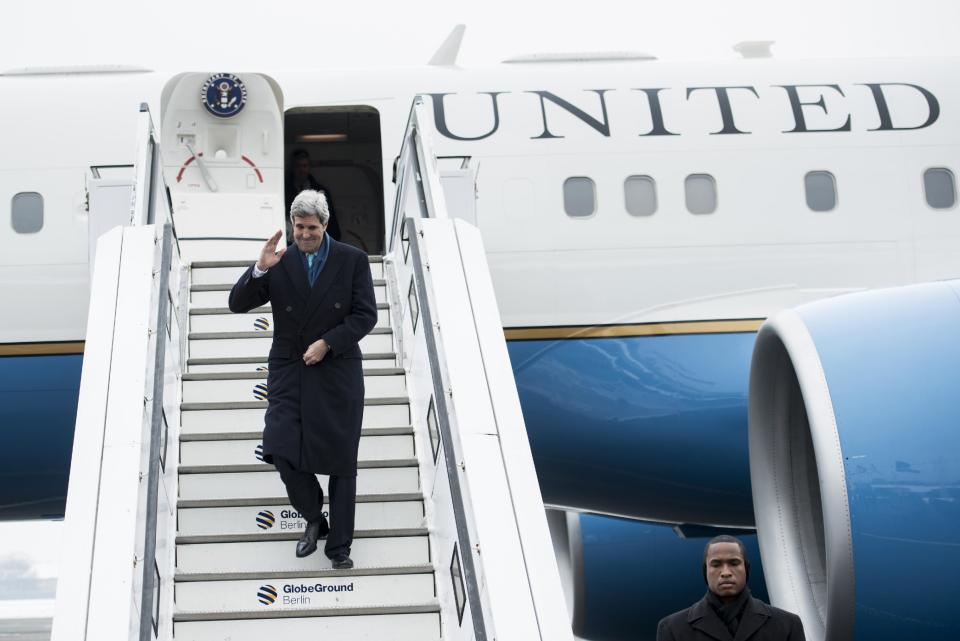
(307, 544)
(342, 562)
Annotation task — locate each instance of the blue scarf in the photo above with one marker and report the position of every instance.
(313, 263)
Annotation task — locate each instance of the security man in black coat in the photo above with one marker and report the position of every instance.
(728, 612)
(321, 294)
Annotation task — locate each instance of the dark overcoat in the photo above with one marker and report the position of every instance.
(314, 412)
(760, 622)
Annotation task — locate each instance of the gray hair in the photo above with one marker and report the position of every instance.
(310, 203)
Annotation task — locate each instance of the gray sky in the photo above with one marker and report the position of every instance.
(252, 34)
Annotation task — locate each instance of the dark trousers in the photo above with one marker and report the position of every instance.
(306, 496)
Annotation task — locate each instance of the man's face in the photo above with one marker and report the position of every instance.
(308, 233)
(726, 570)
(301, 167)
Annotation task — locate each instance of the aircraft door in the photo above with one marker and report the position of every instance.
(222, 157)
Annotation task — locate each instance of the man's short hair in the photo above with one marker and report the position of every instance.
(300, 154)
(310, 203)
(726, 538)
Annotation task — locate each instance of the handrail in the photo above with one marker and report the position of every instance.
(446, 435)
(156, 418)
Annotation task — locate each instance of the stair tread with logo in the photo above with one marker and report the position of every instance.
(370, 497)
(236, 344)
(265, 483)
(243, 452)
(404, 430)
(229, 271)
(277, 556)
(216, 295)
(229, 389)
(281, 517)
(244, 364)
(262, 405)
(358, 533)
(213, 468)
(219, 319)
(217, 418)
(270, 595)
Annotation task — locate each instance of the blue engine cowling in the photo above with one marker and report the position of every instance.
(854, 431)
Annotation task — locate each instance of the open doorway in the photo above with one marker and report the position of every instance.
(344, 151)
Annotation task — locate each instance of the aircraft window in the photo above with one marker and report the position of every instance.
(701, 194)
(579, 197)
(27, 212)
(640, 193)
(938, 185)
(821, 188)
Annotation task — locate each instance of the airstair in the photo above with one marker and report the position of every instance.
(180, 531)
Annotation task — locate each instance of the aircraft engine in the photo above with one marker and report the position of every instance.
(854, 432)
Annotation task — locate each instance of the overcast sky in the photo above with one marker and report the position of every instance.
(251, 34)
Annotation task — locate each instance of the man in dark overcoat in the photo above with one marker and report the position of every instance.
(728, 612)
(322, 298)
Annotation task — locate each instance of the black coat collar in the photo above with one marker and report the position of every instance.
(702, 617)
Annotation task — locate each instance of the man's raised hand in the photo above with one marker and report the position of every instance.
(269, 256)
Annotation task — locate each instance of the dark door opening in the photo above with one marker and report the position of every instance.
(345, 157)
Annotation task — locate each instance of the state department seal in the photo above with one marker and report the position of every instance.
(224, 95)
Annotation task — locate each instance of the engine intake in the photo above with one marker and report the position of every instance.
(854, 428)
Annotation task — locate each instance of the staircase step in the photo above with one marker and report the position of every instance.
(236, 344)
(246, 261)
(216, 468)
(226, 390)
(231, 273)
(268, 596)
(265, 484)
(295, 536)
(190, 504)
(396, 627)
(382, 570)
(281, 518)
(259, 363)
(228, 322)
(252, 405)
(217, 295)
(278, 556)
(257, 434)
(249, 452)
(196, 418)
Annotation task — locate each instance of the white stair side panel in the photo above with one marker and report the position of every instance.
(368, 363)
(395, 627)
(251, 322)
(237, 347)
(219, 298)
(278, 556)
(270, 519)
(251, 420)
(242, 485)
(304, 594)
(244, 452)
(230, 275)
(236, 390)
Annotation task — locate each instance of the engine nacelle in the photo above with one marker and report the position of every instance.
(854, 429)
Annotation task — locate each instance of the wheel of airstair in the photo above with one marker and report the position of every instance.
(236, 573)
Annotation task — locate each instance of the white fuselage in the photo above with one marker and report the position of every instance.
(760, 250)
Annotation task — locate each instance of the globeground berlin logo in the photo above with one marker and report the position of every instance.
(284, 520)
(298, 593)
(267, 594)
(265, 519)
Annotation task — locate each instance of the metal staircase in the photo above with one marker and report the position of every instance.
(180, 532)
(233, 512)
